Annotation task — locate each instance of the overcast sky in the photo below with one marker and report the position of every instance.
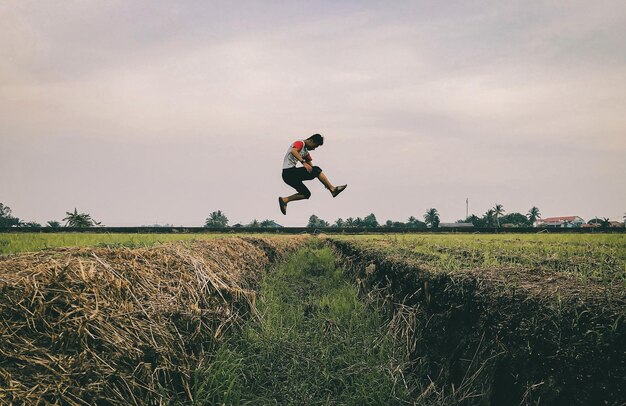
(140, 112)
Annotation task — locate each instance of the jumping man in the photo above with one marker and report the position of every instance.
(299, 152)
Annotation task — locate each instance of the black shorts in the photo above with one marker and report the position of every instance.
(294, 177)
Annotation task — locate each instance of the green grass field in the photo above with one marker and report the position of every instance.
(596, 256)
(315, 342)
(511, 319)
(601, 257)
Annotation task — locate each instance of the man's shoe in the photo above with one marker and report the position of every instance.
(338, 190)
(283, 205)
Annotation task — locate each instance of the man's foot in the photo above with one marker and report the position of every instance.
(283, 205)
(338, 190)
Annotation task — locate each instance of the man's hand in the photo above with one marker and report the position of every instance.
(308, 167)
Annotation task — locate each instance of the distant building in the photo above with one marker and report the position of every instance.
(560, 222)
(612, 224)
(455, 225)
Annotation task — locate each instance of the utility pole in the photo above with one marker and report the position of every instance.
(466, 207)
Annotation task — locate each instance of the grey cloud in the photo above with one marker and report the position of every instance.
(425, 101)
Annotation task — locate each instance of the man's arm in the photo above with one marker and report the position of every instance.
(305, 163)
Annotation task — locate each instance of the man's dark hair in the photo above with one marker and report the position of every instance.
(317, 138)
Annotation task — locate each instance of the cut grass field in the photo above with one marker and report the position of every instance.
(11, 243)
(404, 319)
(118, 325)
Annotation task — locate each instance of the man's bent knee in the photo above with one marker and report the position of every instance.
(316, 171)
(306, 194)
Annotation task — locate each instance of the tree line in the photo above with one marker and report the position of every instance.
(218, 219)
(494, 217)
(72, 219)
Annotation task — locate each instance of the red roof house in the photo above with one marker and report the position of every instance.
(563, 221)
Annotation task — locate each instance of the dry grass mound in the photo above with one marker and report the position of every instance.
(84, 326)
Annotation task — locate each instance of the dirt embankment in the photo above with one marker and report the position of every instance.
(117, 325)
(499, 338)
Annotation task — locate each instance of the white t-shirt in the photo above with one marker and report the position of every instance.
(290, 161)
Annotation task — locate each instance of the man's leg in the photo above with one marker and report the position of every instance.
(324, 179)
(292, 198)
(334, 190)
(303, 191)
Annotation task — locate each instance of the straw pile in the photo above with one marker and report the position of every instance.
(90, 326)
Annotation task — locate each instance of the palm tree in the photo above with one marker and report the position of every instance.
(474, 219)
(313, 221)
(6, 219)
(497, 212)
(5, 211)
(533, 215)
(216, 219)
(488, 217)
(77, 219)
(316, 222)
(370, 221)
(53, 224)
(432, 218)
